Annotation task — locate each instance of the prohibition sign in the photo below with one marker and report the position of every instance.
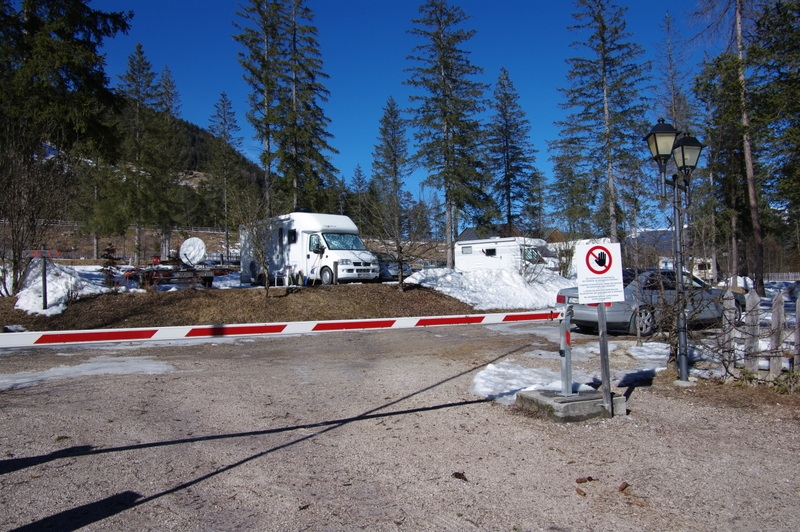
(598, 260)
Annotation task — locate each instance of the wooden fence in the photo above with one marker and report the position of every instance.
(782, 277)
(783, 339)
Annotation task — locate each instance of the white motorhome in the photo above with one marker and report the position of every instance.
(512, 253)
(304, 247)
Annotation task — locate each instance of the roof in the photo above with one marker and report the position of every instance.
(550, 234)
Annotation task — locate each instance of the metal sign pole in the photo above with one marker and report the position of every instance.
(605, 372)
(566, 354)
(44, 280)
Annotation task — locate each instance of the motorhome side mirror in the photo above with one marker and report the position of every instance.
(319, 250)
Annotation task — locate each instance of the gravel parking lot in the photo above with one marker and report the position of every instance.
(375, 431)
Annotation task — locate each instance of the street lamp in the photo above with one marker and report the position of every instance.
(661, 140)
(686, 152)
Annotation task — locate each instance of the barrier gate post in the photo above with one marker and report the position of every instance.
(566, 353)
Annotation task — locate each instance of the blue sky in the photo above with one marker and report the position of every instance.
(364, 45)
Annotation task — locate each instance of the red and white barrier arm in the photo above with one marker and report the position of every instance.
(30, 339)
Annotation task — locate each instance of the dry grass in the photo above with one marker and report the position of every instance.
(728, 394)
(195, 306)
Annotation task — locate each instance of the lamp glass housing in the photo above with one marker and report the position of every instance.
(687, 152)
(661, 140)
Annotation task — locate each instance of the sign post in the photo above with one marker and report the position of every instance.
(600, 283)
(565, 352)
(44, 254)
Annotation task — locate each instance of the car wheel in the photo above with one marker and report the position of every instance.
(646, 322)
(326, 276)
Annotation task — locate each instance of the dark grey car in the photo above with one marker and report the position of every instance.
(389, 268)
(653, 293)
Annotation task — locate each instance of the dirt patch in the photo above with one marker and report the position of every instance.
(197, 306)
(376, 431)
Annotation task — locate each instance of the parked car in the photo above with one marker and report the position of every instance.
(389, 268)
(654, 293)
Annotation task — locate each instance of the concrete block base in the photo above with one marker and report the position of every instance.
(577, 407)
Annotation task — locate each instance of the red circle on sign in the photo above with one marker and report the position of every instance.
(599, 269)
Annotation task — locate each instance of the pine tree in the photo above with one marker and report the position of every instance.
(54, 98)
(775, 53)
(734, 17)
(512, 155)
(283, 66)
(391, 166)
(166, 160)
(225, 169)
(572, 194)
(359, 198)
(673, 97)
(606, 111)
(448, 130)
(717, 88)
(138, 85)
(263, 60)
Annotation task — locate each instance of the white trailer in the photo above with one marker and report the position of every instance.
(516, 254)
(304, 247)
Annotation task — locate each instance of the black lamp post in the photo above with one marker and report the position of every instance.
(686, 152)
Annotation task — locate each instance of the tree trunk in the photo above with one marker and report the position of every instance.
(733, 263)
(752, 193)
(137, 243)
(448, 229)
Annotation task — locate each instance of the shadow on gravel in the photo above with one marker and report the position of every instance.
(87, 514)
(637, 379)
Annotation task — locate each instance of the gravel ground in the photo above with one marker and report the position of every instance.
(376, 431)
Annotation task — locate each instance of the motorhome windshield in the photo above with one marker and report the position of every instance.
(343, 241)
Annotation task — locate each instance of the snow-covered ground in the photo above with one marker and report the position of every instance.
(484, 290)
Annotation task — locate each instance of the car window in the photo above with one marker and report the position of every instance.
(651, 283)
(695, 282)
(661, 280)
(668, 280)
(628, 276)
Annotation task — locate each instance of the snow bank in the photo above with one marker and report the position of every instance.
(64, 284)
(494, 289)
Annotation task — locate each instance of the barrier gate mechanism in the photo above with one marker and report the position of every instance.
(565, 352)
(30, 339)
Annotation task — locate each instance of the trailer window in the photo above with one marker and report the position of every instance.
(491, 252)
(466, 250)
(292, 236)
(531, 255)
(343, 241)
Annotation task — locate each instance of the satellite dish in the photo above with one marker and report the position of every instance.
(192, 251)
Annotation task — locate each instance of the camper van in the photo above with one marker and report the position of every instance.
(304, 247)
(516, 254)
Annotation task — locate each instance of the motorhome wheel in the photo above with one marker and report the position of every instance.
(326, 276)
